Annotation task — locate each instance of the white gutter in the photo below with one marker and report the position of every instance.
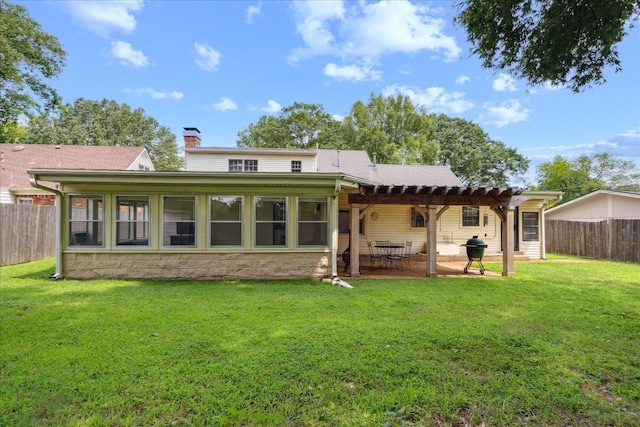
(58, 246)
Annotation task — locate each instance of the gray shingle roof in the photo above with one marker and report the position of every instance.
(358, 164)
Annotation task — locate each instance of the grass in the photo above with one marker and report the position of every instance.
(558, 344)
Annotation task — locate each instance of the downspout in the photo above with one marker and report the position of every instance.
(334, 230)
(58, 246)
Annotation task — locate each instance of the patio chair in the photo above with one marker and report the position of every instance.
(406, 254)
(375, 257)
(395, 255)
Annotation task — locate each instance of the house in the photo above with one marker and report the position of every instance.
(16, 159)
(604, 224)
(599, 205)
(277, 213)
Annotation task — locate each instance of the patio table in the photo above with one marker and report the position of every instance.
(389, 255)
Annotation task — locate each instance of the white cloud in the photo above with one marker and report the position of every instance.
(103, 17)
(253, 10)
(434, 99)
(128, 55)
(507, 112)
(351, 72)
(225, 104)
(624, 144)
(367, 31)
(272, 107)
(155, 94)
(504, 82)
(208, 58)
(338, 117)
(462, 80)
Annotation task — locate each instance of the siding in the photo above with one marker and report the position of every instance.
(6, 196)
(598, 207)
(205, 162)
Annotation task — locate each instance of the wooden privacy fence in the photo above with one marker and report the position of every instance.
(27, 233)
(612, 239)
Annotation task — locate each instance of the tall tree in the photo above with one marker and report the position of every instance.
(106, 122)
(563, 42)
(473, 156)
(587, 173)
(393, 128)
(298, 126)
(28, 56)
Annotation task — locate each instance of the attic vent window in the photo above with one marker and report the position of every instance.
(296, 166)
(235, 165)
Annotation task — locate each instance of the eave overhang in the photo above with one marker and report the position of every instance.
(191, 179)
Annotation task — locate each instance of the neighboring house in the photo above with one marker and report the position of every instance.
(598, 206)
(16, 159)
(278, 213)
(604, 224)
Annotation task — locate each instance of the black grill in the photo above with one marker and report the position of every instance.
(475, 252)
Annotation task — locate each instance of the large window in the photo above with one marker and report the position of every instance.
(132, 220)
(312, 222)
(271, 221)
(251, 166)
(530, 226)
(226, 221)
(179, 221)
(470, 216)
(417, 220)
(296, 166)
(86, 220)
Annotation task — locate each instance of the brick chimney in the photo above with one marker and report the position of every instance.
(191, 138)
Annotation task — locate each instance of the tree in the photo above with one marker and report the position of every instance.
(587, 173)
(106, 122)
(392, 128)
(473, 156)
(297, 126)
(27, 57)
(562, 42)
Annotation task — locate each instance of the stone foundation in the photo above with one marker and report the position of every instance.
(210, 266)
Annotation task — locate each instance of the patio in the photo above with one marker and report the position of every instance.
(447, 266)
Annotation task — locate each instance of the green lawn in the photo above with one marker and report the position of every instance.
(558, 344)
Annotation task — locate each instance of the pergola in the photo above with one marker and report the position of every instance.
(426, 199)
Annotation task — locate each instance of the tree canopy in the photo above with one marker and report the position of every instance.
(397, 132)
(298, 126)
(474, 156)
(562, 42)
(28, 56)
(393, 128)
(587, 173)
(106, 122)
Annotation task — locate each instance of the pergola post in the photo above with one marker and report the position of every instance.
(432, 256)
(508, 241)
(354, 239)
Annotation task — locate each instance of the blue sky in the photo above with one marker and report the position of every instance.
(221, 65)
